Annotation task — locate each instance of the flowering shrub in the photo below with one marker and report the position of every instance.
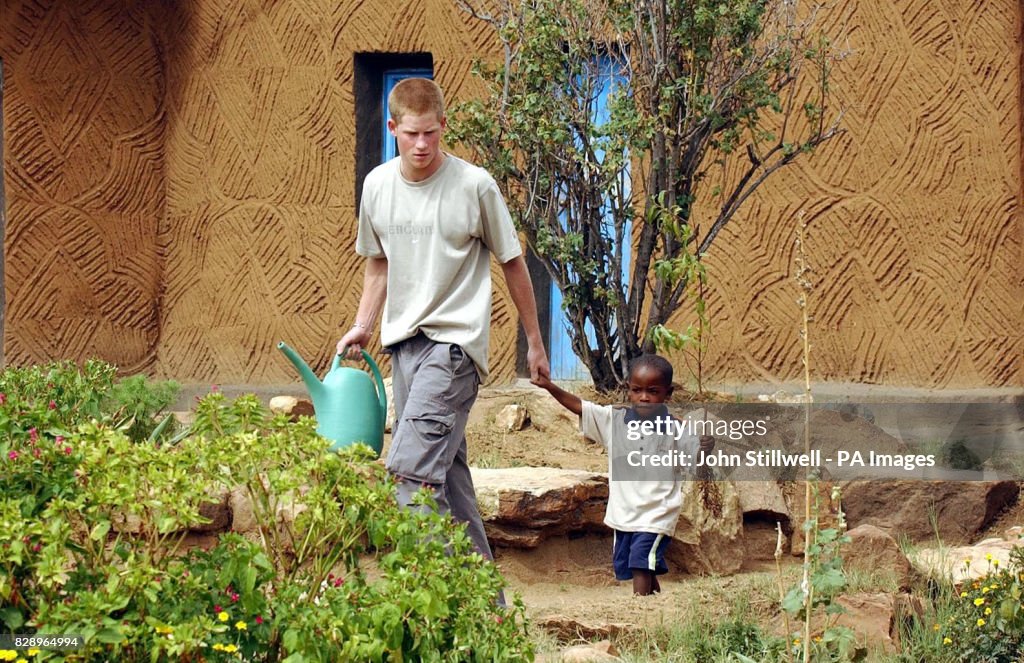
(93, 530)
(985, 620)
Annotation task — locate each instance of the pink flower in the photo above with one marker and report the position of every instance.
(59, 440)
(3, 398)
(33, 434)
(259, 620)
(12, 454)
(234, 598)
(67, 451)
(53, 405)
(216, 608)
(36, 452)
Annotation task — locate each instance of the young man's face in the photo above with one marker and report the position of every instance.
(419, 144)
(647, 390)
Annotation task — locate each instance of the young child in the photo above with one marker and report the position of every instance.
(643, 503)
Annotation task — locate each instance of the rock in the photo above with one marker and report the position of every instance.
(522, 506)
(965, 562)
(763, 496)
(219, 513)
(782, 396)
(598, 651)
(871, 550)
(566, 629)
(1014, 533)
(511, 418)
(708, 538)
(764, 506)
(960, 508)
(292, 407)
(876, 618)
(242, 517)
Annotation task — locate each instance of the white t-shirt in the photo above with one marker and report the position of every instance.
(438, 236)
(645, 499)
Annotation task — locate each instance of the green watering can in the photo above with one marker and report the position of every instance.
(349, 408)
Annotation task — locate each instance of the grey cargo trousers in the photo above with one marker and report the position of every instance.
(435, 385)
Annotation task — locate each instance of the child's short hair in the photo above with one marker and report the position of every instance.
(415, 96)
(654, 362)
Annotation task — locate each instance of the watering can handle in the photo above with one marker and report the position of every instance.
(381, 392)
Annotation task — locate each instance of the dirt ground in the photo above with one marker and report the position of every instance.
(567, 584)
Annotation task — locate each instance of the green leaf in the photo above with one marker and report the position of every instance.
(290, 640)
(248, 580)
(110, 636)
(99, 531)
(12, 617)
(794, 601)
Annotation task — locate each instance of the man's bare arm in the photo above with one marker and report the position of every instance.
(371, 302)
(520, 287)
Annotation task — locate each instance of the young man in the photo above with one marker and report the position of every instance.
(428, 223)
(643, 505)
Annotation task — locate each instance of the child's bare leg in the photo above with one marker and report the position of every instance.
(645, 583)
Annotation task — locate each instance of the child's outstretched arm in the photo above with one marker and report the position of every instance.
(569, 401)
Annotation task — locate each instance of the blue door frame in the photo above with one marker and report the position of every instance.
(565, 364)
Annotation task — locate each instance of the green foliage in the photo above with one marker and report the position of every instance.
(93, 541)
(140, 401)
(705, 639)
(708, 99)
(983, 620)
(825, 581)
(959, 457)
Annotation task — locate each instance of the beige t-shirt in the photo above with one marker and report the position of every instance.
(437, 236)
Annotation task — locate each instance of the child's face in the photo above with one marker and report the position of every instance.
(647, 390)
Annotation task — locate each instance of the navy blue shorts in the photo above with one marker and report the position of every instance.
(638, 550)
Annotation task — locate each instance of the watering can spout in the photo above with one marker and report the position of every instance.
(312, 382)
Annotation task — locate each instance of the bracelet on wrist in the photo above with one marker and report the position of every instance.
(360, 325)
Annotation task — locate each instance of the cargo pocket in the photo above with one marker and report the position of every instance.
(422, 449)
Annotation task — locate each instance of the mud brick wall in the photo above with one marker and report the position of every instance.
(179, 192)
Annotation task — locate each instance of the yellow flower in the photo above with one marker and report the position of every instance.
(223, 616)
(8, 655)
(21, 660)
(231, 649)
(34, 651)
(985, 590)
(995, 562)
(979, 601)
(981, 622)
(935, 628)
(218, 647)
(164, 629)
(988, 611)
(963, 595)
(796, 641)
(240, 626)
(988, 556)
(947, 641)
